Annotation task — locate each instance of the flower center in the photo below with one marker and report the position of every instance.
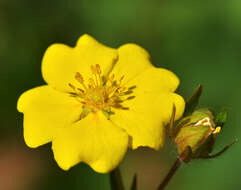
(101, 93)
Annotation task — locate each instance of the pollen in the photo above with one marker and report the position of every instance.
(101, 93)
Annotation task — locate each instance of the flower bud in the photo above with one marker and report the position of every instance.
(196, 133)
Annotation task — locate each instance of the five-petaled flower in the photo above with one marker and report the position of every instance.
(98, 101)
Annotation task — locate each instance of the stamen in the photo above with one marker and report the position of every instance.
(120, 80)
(101, 93)
(98, 70)
(99, 74)
(121, 89)
(92, 83)
(119, 101)
(112, 77)
(126, 93)
(130, 97)
(79, 78)
(72, 86)
(132, 87)
(72, 94)
(82, 91)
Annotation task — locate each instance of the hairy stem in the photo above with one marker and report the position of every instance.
(170, 174)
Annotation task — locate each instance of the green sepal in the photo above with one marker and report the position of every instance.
(206, 148)
(186, 155)
(193, 101)
(221, 117)
(134, 183)
(179, 125)
(191, 136)
(116, 180)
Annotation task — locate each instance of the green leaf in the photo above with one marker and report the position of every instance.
(116, 180)
(134, 183)
(193, 101)
(221, 117)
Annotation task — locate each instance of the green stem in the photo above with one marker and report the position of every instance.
(116, 180)
(170, 174)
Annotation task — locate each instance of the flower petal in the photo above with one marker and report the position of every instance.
(152, 106)
(45, 110)
(60, 62)
(147, 115)
(134, 63)
(93, 140)
(154, 80)
(133, 60)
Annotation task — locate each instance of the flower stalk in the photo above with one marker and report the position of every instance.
(170, 174)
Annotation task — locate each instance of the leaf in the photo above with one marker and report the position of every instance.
(193, 101)
(221, 117)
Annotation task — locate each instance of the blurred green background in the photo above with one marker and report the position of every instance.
(199, 40)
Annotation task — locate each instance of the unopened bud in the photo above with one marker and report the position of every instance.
(198, 132)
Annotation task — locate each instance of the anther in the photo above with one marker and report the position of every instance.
(121, 89)
(130, 97)
(92, 83)
(101, 92)
(132, 87)
(119, 101)
(79, 89)
(79, 78)
(126, 93)
(112, 77)
(98, 70)
(72, 94)
(122, 77)
(72, 86)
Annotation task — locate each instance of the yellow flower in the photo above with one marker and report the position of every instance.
(98, 101)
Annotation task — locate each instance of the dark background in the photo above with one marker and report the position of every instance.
(199, 40)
